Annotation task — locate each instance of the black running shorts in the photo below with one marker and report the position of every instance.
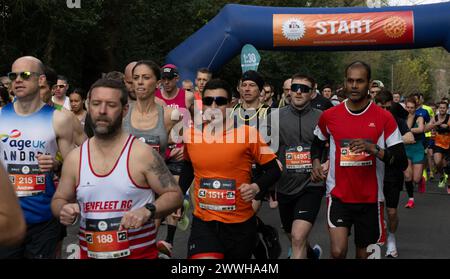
(222, 241)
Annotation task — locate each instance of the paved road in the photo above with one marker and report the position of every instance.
(424, 232)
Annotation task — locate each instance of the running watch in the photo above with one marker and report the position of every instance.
(151, 207)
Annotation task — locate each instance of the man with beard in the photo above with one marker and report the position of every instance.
(117, 221)
(363, 139)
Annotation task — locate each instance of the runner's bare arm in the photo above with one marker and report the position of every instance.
(148, 169)
(12, 223)
(78, 133)
(163, 183)
(408, 138)
(63, 125)
(317, 149)
(64, 205)
(421, 126)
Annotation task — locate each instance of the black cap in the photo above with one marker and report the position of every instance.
(255, 77)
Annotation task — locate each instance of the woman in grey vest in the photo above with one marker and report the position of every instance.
(146, 120)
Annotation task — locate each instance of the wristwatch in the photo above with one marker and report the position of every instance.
(151, 207)
(377, 150)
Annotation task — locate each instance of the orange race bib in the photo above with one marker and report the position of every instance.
(298, 159)
(26, 179)
(442, 140)
(351, 159)
(105, 241)
(217, 194)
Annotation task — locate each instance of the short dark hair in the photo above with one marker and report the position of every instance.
(383, 96)
(152, 65)
(411, 99)
(302, 76)
(204, 71)
(50, 76)
(114, 84)
(358, 63)
(61, 77)
(418, 94)
(114, 75)
(219, 84)
(327, 86)
(269, 85)
(442, 102)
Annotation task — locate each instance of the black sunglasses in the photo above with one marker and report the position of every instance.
(23, 75)
(303, 88)
(219, 100)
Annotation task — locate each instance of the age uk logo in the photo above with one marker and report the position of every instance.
(13, 135)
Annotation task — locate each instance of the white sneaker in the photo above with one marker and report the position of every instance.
(391, 251)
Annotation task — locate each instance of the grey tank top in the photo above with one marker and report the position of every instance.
(155, 137)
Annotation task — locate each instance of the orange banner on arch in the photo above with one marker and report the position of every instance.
(375, 28)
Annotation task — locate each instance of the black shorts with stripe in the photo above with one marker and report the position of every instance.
(213, 239)
(302, 206)
(368, 219)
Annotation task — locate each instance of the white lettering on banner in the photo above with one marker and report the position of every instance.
(340, 27)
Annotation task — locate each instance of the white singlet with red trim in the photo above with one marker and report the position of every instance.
(103, 200)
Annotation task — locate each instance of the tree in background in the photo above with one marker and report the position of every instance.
(104, 35)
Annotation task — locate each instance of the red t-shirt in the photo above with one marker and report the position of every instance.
(356, 178)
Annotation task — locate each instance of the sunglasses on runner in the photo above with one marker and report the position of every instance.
(219, 100)
(303, 88)
(23, 75)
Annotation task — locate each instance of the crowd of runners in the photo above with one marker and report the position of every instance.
(136, 150)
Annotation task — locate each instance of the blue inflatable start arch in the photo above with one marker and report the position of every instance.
(323, 29)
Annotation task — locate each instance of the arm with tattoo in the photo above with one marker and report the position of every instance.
(164, 185)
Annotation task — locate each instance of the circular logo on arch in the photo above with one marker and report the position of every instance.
(294, 29)
(394, 27)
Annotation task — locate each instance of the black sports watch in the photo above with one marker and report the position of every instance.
(151, 207)
(377, 148)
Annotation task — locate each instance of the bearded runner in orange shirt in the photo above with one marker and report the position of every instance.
(224, 222)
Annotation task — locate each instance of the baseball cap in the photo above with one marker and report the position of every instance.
(169, 71)
(255, 77)
(377, 83)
